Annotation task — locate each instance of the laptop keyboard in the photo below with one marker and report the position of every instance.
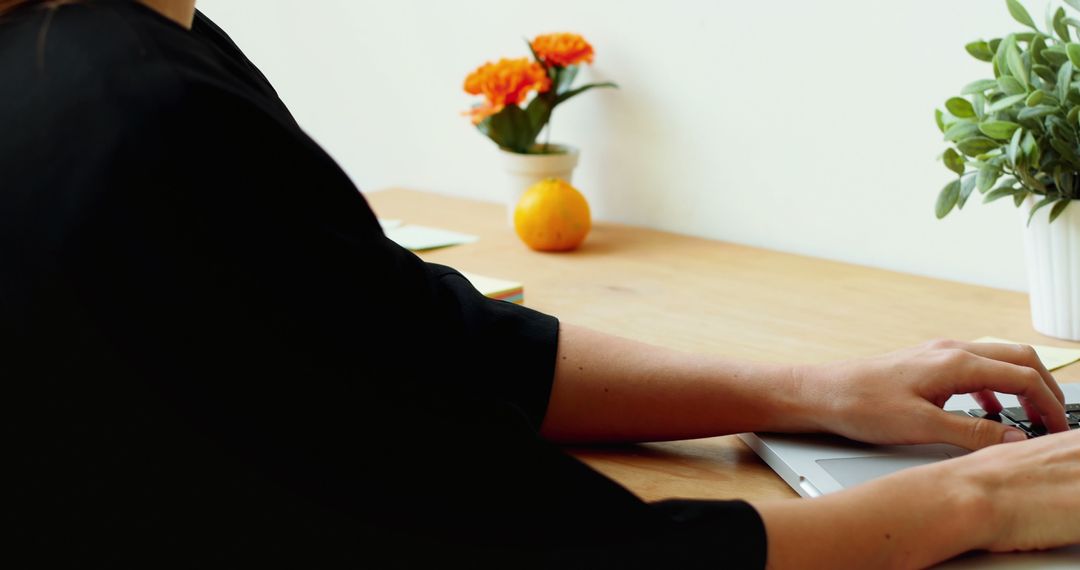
(1018, 418)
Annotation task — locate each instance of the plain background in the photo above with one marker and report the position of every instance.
(798, 125)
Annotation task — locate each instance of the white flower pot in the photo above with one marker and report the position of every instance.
(1053, 262)
(524, 170)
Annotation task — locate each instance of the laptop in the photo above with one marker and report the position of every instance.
(815, 465)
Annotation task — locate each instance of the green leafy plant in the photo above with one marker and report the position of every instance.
(1018, 134)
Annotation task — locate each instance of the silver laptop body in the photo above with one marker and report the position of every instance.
(816, 465)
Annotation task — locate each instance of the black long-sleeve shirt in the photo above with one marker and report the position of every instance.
(211, 354)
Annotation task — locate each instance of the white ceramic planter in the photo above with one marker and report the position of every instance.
(524, 170)
(1053, 262)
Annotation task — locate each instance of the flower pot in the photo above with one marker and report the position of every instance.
(1053, 262)
(524, 170)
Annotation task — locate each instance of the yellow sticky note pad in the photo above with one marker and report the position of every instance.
(500, 289)
(1052, 357)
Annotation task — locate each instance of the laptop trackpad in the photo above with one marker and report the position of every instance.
(850, 471)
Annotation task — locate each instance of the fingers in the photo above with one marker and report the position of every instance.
(975, 373)
(988, 401)
(974, 433)
(1032, 412)
(1019, 354)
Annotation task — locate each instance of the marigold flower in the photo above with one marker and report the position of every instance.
(506, 82)
(562, 49)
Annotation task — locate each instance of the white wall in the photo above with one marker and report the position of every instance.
(799, 125)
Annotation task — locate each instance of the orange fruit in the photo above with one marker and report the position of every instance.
(552, 216)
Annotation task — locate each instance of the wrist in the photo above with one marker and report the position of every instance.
(977, 522)
(812, 399)
(912, 519)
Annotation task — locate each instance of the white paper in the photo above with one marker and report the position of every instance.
(420, 238)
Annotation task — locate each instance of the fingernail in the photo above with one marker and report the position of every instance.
(1013, 436)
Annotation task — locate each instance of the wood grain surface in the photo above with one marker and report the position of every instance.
(713, 297)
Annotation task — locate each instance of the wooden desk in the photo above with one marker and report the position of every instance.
(706, 296)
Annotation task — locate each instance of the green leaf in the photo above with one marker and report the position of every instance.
(539, 113)
(1039, 206)
(1010, 86)
(1006, 181)
(987, 176)
(961, 130)
(1002, 130)
(536, 58)
(960, 107)
(1074, 3)
(966, 186)
(975, 146)
(573, 92)
(1059, 129)
(953, 161)
(1059, 25)
(1073, 116)
(980, 50)
(511, 129)
(1064, 78)
(1064, 150)
(1018, 198)
(1036, 49)
(998, 193)
(1055, 55)
(1003, 103)
(1030, 148)
(1020, 14)
(1035, 98)
(1045, 73)
(1014, 146)
(947, 199)
(978, 102)
(1016, 64)
(979, 86)
(1063, 181)
(566, 79)
(1029, 181)
(1073, 51)
(1035, 112)
(1058, 209)
(1048, 98)
(941, 122)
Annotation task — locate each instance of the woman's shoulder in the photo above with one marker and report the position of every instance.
(106, 56)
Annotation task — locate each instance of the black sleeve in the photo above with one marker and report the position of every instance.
(249, 290)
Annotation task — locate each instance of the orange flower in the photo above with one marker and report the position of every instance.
(562, 49)
(506, 82)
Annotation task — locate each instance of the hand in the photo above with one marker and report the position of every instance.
(1032, 491)
(1020, 496)
(896, 398)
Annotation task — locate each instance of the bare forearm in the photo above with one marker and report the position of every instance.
(608, 388)
(908, 521)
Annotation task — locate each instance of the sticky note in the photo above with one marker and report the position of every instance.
(420, 238)
(500, 289)
(1052, 357)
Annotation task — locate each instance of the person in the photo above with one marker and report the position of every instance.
(213, 356)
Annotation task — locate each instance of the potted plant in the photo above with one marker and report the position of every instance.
(514, 125)
(1017, 134)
